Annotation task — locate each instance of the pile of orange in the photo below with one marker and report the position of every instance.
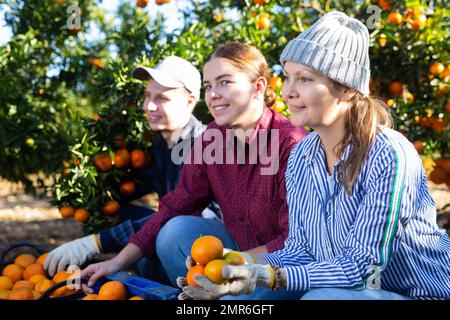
(26, 279)
(207, 252)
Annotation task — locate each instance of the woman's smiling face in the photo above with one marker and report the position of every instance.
(229, 93)
(311, 97)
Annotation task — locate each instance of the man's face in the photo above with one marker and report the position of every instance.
(167, 109)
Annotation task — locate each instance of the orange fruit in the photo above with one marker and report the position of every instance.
(4, 294)
(90, 297)
(36, 278)
(82, 215)
(419, 22)
(32, 270)
(76, 162)
(24, 260)
(120, 142)
(276, 82)
(110, 207)
(408, 96)
(21, 294)
(263, 21)
(192, 272)
(419, 146)
(382, 41)
(438, 125)
(234, 258)
(137, 158)
(42, 258)
(396, 88)
(66, 211)
(136, 298)
(43, 286)
(103, 161)
(436, 68)
(213, 270)
(260, 1)
(5, 283)
(96, 117)
(278, 106)
(112, 290)
(60, 277)
(24, 284)
(206, 248)
(121, 158)
(36, 295)
(444, 164)
(385, 4)
(13, 272)
(390, 102)
(141, 3)
(438, 175)
(446, 73)
(127, 188)
(395, 18)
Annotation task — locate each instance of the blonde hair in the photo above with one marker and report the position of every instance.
(365, 118)
(249, 60)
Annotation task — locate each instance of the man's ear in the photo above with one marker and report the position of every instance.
(347, 94)
(192, 101)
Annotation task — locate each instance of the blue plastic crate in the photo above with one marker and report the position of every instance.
(142, 287)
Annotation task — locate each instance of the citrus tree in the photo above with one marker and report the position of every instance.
(78, 91)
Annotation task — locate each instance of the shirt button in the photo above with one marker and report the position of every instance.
(241, 219)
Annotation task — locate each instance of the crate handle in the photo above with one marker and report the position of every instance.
(8, 249)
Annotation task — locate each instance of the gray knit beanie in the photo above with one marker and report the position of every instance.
(336, 46)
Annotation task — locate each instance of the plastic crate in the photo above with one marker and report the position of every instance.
(138, 286)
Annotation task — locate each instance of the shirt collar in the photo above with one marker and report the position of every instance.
(311, 150)
(192, 130)
(263, 123)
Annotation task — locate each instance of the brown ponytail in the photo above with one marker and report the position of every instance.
(364, 120)
(248, 59)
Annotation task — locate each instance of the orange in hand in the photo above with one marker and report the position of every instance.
(192, 272)
(213, 270)
(206, 249)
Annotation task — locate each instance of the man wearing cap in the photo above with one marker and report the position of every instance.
(172, 92)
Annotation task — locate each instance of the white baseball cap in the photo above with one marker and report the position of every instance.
(172, 72)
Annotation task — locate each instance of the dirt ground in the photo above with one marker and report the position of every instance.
(24, 218)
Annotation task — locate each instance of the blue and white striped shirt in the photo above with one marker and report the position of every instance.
(388, 226)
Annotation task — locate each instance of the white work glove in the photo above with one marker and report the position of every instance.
(241, 280)
(75, 252)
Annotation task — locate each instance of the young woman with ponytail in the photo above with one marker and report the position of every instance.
(362, 223)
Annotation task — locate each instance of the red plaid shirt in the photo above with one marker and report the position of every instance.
(253, 205)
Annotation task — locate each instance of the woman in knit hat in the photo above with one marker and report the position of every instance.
(362, 223)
